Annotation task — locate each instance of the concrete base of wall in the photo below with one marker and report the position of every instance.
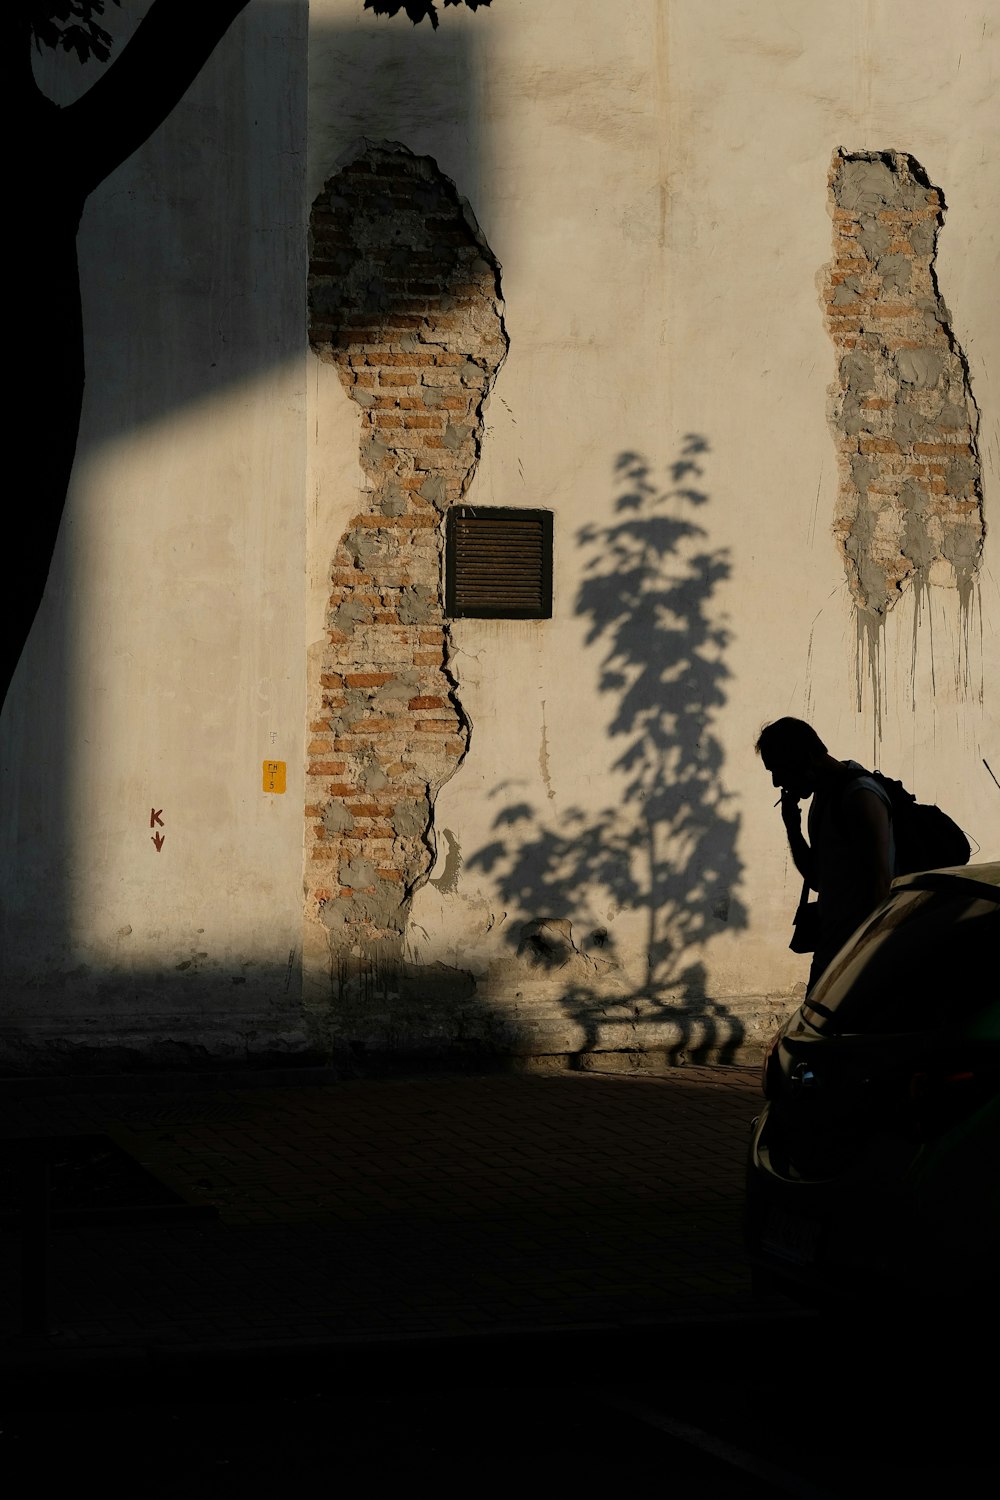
(166, 1044)
(393, 1033)
(546, 1023)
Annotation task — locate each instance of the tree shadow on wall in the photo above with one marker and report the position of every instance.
(667, 849)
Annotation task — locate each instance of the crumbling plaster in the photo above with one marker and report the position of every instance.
(909, 511)
(405, 303)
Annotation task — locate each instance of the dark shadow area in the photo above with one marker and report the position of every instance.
(189, 294)
(397, 1209)
(236, 1430)
(85, 1180)
(667, 848)
(575, 1241)
(135, 1022)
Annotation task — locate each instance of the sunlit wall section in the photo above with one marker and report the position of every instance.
(611, 874)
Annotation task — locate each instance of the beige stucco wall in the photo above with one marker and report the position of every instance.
(655, 189)
(656, 192)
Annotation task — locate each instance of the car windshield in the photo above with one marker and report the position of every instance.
(919, 963)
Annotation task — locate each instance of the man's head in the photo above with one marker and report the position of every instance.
(793, 753)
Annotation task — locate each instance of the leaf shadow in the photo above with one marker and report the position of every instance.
(666, 847)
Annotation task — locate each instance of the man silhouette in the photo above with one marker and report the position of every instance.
(849, 856)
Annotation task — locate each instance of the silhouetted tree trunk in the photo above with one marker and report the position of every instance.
(57, 158)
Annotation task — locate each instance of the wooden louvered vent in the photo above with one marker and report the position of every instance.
(498, 563)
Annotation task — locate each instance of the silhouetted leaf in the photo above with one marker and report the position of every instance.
(417, 9)
(70, 26)
(665, 844)
(514, 814)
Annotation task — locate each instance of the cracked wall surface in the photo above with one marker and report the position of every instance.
(404, 299)
(909, 510)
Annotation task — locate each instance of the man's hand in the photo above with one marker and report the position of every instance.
(791, 816)
(791, 812)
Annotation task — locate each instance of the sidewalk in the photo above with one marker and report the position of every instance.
(392, 1210)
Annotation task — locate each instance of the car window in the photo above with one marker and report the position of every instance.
(919, 963)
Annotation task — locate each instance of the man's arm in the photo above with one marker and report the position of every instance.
(866, 826)
(791, 816)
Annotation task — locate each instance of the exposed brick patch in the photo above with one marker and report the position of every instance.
(404, 299)
(909, 509)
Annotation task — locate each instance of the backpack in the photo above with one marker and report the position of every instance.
(926, 838)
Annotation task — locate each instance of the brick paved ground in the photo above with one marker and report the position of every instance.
(398, 1208)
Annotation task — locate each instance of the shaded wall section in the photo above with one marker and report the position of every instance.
(165, 663)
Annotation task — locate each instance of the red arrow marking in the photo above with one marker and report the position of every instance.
(159, 839)
(154, 817)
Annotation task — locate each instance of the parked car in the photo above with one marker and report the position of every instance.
(874, 1166)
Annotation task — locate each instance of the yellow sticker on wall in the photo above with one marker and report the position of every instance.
(274, 776)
